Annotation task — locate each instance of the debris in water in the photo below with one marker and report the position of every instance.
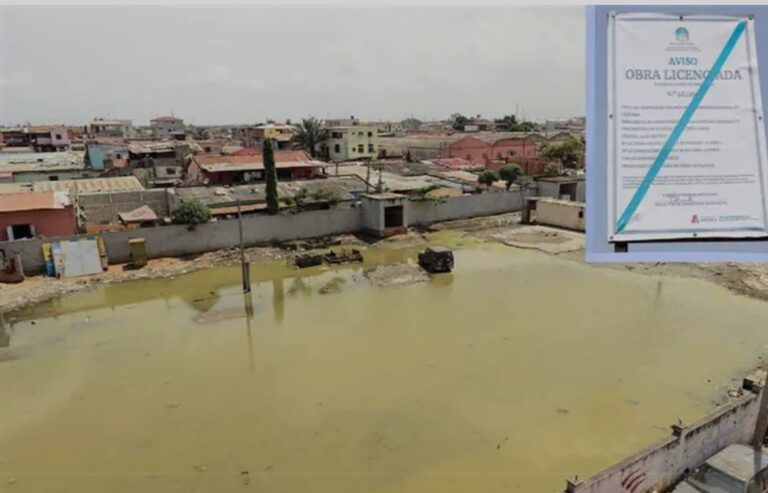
(562, 410)
(401, 274)
(199, 468)
(498, 446)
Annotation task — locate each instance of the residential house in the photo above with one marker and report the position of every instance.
(44, 166)
(32, 214)
(351, 142)
(161, 163)
(254, 135)
(48, 138)
(291, 165)
(100, 127)
(99, 153)
(167, 127)
(14, 138)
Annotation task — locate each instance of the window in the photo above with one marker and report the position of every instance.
(370, 134)
(370, 148)
(361, 148)
(207, 149)
(53, 178)
(20, 231)
(336, 135)
(58, 136)
(170, 171)
(336, 148)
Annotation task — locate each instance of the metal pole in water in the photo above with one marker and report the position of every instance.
(246, 271)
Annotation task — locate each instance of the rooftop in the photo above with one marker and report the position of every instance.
(166, 118)
(33, 161)
(283, 159)
(31, 201)
(344, 187)
(85, 185)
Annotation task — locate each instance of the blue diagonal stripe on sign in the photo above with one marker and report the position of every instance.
(679, 128)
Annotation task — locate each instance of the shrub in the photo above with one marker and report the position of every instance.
(510, 173)
(191, 213)
(488, 177)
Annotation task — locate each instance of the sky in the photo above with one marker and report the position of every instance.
(226, 65)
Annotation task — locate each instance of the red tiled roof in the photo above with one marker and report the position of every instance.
(247, 151)
(164, 119)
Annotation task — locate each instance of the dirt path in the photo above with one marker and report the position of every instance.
(746, 279)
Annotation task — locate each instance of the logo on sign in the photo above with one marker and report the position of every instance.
(695, 219)
(682, 35)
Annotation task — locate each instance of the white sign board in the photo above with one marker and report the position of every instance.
(686, 137)
(76, 257)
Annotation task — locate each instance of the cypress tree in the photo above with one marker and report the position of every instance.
(270, 175)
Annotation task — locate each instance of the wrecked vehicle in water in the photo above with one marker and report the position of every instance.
(436, 260)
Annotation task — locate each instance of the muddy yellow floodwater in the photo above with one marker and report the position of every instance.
(511, 374)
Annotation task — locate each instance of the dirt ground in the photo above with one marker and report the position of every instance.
(746, 279)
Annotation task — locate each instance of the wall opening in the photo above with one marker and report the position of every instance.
(393, 216)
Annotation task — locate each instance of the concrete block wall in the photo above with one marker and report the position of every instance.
(553, 212)
(178, 240)
(484, 204)
(664, 463)
(104, 207)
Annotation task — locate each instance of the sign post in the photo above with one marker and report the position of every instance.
(687, 152)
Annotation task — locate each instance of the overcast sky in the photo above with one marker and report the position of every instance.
(215, 65)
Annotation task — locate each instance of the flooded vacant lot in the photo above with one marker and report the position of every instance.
(514, 372)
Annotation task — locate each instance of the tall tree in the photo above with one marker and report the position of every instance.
(270, 172)
(458, 121)
(569, 152)
(309, 133)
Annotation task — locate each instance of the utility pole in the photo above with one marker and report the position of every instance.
(244, 266)
(761, 430)
(367, 176)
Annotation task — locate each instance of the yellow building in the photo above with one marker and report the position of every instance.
(351, 142)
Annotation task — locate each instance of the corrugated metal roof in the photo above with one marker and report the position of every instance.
(112, 184)
(30, 201)
(138, 215)
(283, 159)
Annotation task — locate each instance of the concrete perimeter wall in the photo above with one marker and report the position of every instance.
(663, 464)
(178, 240)
(484, 204)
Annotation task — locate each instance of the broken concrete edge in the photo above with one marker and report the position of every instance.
(753, 384)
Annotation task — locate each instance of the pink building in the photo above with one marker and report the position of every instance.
(33, 214)
(492, 152)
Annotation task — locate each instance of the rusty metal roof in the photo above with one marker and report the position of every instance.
(283, 159)
(31, 201)
(138, 215)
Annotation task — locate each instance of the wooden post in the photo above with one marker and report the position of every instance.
(245, 267)
(761, 430)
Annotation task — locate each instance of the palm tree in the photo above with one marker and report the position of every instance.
(309, 133)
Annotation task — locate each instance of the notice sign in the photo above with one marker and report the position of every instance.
(686, 133)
